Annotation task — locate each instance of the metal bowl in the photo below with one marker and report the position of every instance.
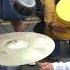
(25, 6)
(26, 3)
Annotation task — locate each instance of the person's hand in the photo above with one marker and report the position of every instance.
(20, 26)
(46, 66)
(57, 27)
(1, 20)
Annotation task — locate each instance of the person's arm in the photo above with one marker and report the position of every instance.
(55, 66)
(61, 66)
(19, 26)
(49, 11)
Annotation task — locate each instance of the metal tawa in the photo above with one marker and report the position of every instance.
(20, 48)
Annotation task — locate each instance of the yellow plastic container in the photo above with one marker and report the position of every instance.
(62, 17)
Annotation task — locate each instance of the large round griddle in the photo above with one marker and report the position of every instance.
(21, 48)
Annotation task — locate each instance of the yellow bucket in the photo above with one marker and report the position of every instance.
(62, 17)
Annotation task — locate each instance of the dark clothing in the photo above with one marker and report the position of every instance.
(8, 10)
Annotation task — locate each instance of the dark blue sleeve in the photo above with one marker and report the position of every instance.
(9, 13)
(0, 9)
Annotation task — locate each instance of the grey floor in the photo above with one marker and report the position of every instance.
(65, 51)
